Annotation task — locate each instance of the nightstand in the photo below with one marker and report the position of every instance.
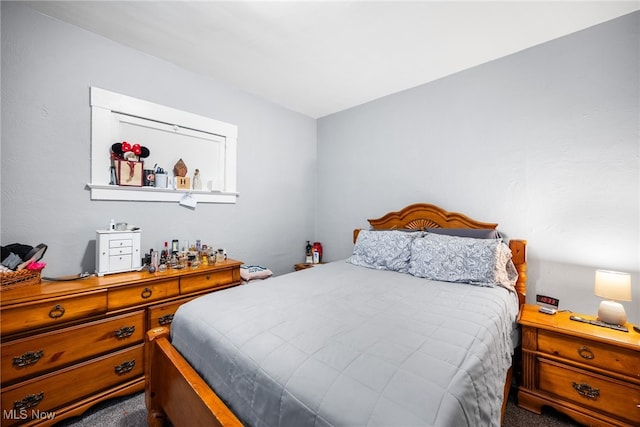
(303, 266)
(590, 373)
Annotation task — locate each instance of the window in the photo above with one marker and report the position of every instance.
(202, 143)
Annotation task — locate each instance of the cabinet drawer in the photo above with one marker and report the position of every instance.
(44, 394)
(55, 311)
(599, 355)
(44, 352)
(120, 251)
(120, 263)
(204, 281)
(616, 398)
(127, 296)
(162, 314)
(119, 243)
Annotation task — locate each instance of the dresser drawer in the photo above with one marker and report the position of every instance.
(204, 281)
(56, 311)
(48, 351)
(162, 314)
(127, 296)
(592, 353)
(593, 391)
(44, 394)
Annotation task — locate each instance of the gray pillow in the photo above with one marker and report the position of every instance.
(475, 233)
(383, 249)
(482, 262)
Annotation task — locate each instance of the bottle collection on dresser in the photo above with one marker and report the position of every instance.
(118, 250)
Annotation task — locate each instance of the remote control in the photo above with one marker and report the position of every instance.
(636, 328)
(600, 323)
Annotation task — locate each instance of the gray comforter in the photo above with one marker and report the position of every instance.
(342, 345)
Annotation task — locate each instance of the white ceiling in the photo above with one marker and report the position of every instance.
(318, 58)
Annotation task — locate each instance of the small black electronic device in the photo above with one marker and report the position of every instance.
(548, 305)
(543, 299)
(600, 323)
(636, 328)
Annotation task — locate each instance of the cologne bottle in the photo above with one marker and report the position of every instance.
(164, 255)
(309, 257)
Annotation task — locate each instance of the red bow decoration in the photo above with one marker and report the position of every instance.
(119, 148)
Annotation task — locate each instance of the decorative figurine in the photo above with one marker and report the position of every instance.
(180, 169)
(197, 183)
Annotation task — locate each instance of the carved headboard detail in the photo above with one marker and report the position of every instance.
(421, 215)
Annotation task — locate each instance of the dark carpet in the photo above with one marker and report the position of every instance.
(131, 412)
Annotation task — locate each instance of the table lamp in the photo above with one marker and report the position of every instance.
(612, 285)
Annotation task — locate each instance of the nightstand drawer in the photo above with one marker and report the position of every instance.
(201, 282)
(48, 392)
(616, 398)
(44, 352)
(127, 296)
(592, 353)
(51, 312)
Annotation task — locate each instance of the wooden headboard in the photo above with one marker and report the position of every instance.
(422, 215)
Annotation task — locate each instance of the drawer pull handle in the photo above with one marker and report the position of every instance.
(28, 358)
(124, 332)
(56, 312)
(28, 401)
(585, 353)
(146, 293)
(125, 367)
(586, 390)
(165, 320)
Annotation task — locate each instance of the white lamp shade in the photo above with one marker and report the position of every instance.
(613, 285)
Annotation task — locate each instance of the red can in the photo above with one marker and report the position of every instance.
(317, 248)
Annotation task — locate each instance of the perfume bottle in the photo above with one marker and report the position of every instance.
(164, 255)
(220, 256)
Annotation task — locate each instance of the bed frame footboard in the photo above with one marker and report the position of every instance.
(175, 392)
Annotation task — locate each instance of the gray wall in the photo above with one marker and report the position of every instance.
(544, 142)
(47, 69)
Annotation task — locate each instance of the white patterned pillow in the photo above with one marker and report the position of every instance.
(383, 249)
(483, 262)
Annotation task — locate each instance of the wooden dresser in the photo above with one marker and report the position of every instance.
(69, 345)
(588, 372)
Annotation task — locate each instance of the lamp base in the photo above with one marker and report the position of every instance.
(612, 312)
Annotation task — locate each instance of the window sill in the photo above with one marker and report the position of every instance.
(152, 194)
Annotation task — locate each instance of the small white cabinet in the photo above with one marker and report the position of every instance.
(117, 251)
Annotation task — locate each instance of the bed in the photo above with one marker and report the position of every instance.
(371, 340)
